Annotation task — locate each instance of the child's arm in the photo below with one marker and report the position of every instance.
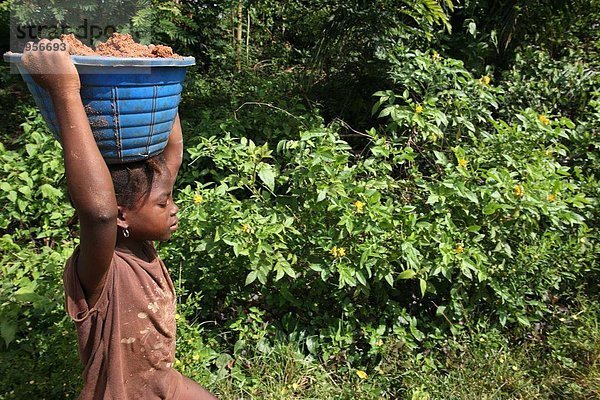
(88, 178)
(174, 150)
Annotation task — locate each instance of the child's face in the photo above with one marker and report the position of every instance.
(156, 217)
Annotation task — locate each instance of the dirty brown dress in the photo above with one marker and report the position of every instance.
(127, 339)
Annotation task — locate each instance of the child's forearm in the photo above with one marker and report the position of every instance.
(174, 150)
(88, 178)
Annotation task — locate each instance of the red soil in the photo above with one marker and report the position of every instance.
(118, 45)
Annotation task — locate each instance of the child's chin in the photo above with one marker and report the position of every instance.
(164, 237)
(168, 234)
(171, 233)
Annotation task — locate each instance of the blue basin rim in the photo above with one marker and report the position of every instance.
(102, 61)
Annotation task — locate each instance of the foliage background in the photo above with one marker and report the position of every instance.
(378, 200)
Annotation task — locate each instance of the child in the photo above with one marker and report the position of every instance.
(118, 291)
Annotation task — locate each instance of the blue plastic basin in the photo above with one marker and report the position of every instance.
(131, 103)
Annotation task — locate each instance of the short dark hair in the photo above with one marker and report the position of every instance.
(133, 181)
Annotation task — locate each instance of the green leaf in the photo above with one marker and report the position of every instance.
(423, 286)
(25, 190)
(8, 329)
(349, 225)
(223, 360)
(416, 333)
(490, 208)
(267, 175)
(316, 267)
(523, 320)
(390, 279)
(49, 191)
(236, 249)
(31, 149)
(361, 278)
(322, 194)
(262, 277)
(440, 158)
(440, 311)
(312, 344)
(27, 293)
(408, 274)
(251, 277)
(472, 28)
(280, 272)
(432, 199)
(289, 271)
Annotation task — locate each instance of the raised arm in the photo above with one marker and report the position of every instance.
(88, 178)
(174, 151)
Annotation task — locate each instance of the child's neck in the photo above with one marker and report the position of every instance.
(134, 246)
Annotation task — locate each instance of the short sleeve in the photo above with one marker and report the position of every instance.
(75, 302)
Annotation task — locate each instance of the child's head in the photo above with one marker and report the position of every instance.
(144, 196)
(133, 181)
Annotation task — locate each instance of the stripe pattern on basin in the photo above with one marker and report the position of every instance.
(131, 109)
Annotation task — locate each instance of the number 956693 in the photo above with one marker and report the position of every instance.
(48, 46)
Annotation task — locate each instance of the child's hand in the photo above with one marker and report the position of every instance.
(52, 69)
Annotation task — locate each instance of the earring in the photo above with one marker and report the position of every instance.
(126, 232)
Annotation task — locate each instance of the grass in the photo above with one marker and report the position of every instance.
(559, 361)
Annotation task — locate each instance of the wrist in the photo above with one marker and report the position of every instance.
(62, 95)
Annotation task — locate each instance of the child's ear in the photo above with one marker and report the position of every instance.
(122, 218)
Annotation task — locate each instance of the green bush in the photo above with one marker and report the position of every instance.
(34, 226)
(315, 262)
(449, 216)
(35, 241)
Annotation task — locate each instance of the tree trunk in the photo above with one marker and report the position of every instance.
(232, 27)
(240, 15)
(248, 37)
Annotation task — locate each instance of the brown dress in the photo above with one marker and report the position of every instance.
(127, 340)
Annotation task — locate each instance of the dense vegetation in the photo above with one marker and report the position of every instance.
(378, 200)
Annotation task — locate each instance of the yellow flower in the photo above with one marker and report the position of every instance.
(198, 198)
(459, 249)
(362, 374)
(543, 119)
(419, 109)
(462, 162)
(359, 206)
(435, 56)
(247, 229)
(338, 252)
(518, 190)
(551, 197)
(379, 343)
(485, 80)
